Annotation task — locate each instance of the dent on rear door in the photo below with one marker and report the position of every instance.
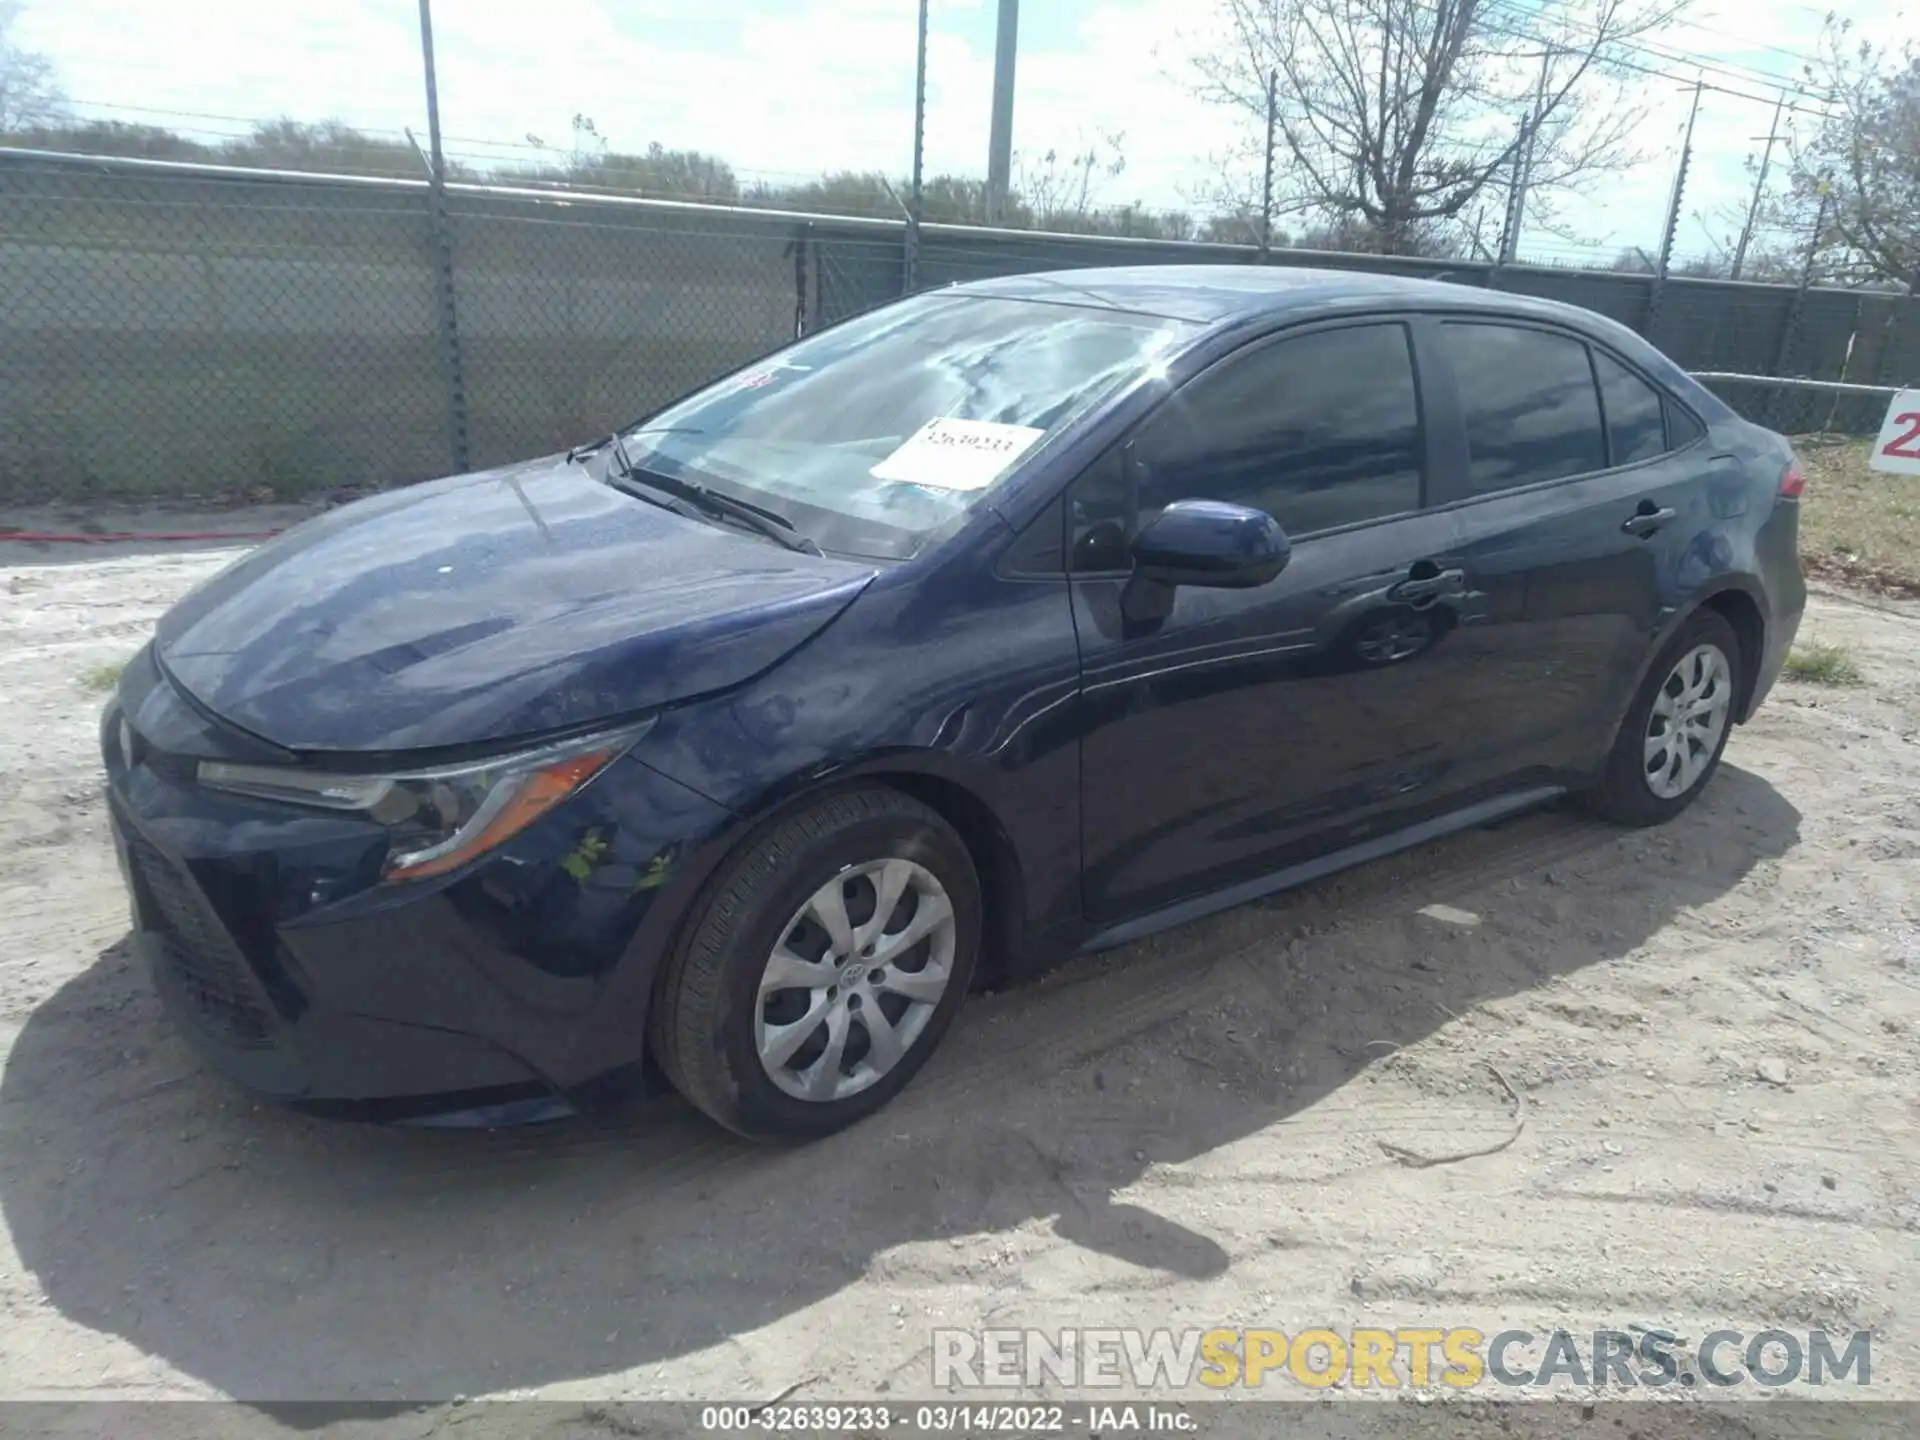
(1565, 602)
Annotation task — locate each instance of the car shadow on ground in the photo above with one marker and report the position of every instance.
(277, 1257)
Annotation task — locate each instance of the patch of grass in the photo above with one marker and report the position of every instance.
(102, 678)
(1857, 526)
(1819, 664)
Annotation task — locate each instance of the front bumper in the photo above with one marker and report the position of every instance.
(502, 990)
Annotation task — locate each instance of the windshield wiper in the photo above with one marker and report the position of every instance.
(770, 523)
(618, 438)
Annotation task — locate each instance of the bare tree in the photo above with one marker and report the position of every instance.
(1352, 235)
(29, 95)
(1854, 176)
(1059, 189)
(1397, 114)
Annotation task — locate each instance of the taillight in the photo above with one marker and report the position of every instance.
(1793, 480)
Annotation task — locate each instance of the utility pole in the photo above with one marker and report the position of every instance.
(1759, 188)
(1000, 137)
(917, 200)
(1523, 165)
(443, 247)
(1679, 185)
(1776, 413)
(1509, 230)
(1657, 291)
(1266, 183)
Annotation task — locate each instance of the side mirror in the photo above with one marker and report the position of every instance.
(1210, 544)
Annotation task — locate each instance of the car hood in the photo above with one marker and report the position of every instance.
(489, 607)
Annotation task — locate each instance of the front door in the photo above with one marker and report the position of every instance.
(1250, 728)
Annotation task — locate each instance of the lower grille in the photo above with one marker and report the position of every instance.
(200, 956)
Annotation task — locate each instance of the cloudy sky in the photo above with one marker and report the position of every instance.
(786, 89)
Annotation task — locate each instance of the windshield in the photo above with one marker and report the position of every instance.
(872, 436)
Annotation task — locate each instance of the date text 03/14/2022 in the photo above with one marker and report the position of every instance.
(941, 1419)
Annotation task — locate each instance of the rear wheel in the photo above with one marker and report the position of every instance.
(827, 959)
(1670, 742)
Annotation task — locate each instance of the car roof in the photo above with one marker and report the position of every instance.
(1216, 294)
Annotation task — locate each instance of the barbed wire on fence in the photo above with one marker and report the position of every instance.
(188, 328)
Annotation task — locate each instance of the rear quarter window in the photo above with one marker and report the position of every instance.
(1635, 427)
(1683, 428)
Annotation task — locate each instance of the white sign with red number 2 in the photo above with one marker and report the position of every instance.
(1897, 451)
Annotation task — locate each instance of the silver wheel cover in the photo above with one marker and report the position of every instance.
(854, 979)
(1689, 716)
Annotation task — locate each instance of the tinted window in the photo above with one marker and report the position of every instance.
(1633, 412)
(1100, 516)
(1531, 410)
(1318, 431)
(1682, 428)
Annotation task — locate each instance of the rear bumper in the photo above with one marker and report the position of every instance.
(1780, 636)
(1778, 553)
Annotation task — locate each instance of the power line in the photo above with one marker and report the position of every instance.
(1648, 50)
(1687, 22)
(249, 121)
(1802, 56)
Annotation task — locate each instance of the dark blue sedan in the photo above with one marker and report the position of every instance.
(1022, 618)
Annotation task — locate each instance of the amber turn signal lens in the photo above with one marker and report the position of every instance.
(517, 804)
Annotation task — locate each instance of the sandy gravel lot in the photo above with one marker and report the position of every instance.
(1715, 1028)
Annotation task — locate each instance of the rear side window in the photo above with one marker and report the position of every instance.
(1529, 402)
(1320, 430)
(1634, 424)
(1682, 428)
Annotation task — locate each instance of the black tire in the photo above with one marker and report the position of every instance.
(1624, 793)
(707, 1000)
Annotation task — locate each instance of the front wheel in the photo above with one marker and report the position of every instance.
(824, 962)
(1670, 742)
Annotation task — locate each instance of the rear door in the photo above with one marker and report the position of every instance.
(1582, 487)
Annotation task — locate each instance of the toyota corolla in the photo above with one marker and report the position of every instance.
(1012, 620)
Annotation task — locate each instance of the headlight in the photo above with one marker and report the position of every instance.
(442, 817)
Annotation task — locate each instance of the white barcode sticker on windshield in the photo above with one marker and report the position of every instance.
(957, 454)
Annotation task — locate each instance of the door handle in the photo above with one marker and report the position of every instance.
(1644, 522)
(1428, 587)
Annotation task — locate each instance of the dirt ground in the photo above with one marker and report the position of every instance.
(1714, 1030)
(1859, 527)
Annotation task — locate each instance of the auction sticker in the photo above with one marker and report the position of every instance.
(957, 454)
(1897, 451)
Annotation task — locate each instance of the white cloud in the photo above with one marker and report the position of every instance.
(214, 58)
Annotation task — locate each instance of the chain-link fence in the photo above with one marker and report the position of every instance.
(187, 330)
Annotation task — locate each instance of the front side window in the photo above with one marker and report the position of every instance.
(1319, 430)
(873, 435)
(1529, 402)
